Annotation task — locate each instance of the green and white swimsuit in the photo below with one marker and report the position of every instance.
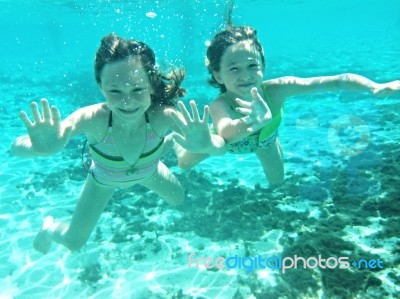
(263, 138)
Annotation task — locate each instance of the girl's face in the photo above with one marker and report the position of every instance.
(126, 87)
(240, 70)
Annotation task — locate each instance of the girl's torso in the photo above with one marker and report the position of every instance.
(128, 147)
(121, 157)
(262, 138)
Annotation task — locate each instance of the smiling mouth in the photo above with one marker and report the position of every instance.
(246, 85)
(129, 111)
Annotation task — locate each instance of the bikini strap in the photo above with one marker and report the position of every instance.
(110, 120)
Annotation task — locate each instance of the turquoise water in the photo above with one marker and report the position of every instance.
(332, 203)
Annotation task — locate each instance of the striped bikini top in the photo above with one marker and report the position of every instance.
(106, 152)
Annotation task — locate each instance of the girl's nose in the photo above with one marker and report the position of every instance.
(244, 75)
(129, 100)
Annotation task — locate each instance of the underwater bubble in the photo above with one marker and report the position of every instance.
(151, 14)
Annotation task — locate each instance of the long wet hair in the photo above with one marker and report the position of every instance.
(114, 48)
(224, 39)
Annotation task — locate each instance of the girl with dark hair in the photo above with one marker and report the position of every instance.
(249, 110)
(127, 135)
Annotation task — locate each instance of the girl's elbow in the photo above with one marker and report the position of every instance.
(17, 149)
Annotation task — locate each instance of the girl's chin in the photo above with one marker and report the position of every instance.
(244, 91)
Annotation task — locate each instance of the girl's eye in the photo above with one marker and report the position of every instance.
(114, 91)
(253, 66)
(138, 91)
(233, 69)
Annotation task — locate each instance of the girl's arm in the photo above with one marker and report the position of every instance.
(354, 82)
(256, 115)
(230, 129)
(47, 134)
(289, 86)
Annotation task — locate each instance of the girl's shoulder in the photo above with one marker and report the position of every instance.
(221, 101)
(222, 106)
(276, 91)
(90, 115)
(95, 110)
(92, 121)
(89, 112)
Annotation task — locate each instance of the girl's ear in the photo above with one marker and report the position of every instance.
(217, 77)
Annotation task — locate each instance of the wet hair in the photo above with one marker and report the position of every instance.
(114, 48)
(224, 39)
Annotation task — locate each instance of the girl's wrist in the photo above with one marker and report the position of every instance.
(218, 145)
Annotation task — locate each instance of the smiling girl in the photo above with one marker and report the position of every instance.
(249, 109)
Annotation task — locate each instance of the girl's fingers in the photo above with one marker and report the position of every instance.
(25, 119)
(254, 93)
(56, 116)
(247, 120)
(179, 139)
(258, 98)
(184, 111)
(46, 110)
(177, 119)
(243, 111)
(206, 114)
(242, 103)
(195, 111)
(35, 112)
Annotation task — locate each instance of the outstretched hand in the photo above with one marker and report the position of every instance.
(387, 89)
(45, 131)
(257, 113)
(194, 133)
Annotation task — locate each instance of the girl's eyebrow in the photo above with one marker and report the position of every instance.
(230, 63)
(235, 62)
(111, 85)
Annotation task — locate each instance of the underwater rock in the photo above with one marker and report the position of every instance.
(91, 274)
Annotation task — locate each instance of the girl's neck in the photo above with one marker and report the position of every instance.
(124, 125)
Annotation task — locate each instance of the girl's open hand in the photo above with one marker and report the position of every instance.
(45, 131)
(386, 89)
(257, 113)
(194, 133)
